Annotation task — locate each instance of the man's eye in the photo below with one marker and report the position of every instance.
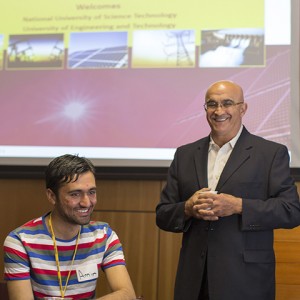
(227, 103)
(212, 104)
(74, 195)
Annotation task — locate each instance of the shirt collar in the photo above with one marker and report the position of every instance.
(231, 143)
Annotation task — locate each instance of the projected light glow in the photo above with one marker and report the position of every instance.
(70, 114)
(75, 111)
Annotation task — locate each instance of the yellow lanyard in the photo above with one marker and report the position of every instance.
(62, 289)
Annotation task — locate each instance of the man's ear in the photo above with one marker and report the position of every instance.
(51, 196)
(243, 108)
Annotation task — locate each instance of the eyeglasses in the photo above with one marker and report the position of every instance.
(213, 105)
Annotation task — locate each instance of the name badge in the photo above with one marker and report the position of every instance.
(88, 272)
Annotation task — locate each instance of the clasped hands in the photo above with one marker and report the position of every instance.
(209, 206)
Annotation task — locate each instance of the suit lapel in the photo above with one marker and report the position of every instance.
(240, 153)
(200, 159)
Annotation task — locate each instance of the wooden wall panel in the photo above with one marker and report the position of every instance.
(139, 237)
(129, 195)
(170, 244)
(288, 273)
(287, 292)
(21, 201)
(151, 254)
(287, 235)
(287, 252)
(129, 207)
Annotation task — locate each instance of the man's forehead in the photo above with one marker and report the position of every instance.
(219, 96)
(222, 94)
(78, 187)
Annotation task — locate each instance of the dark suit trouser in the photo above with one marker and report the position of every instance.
(204, 295)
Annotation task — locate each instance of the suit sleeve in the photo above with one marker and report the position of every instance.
(282, 207)
(170, 210)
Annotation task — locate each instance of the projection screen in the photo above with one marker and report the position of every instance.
(123, 82)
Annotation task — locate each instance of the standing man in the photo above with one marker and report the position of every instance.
(61, 253)
(227, 247)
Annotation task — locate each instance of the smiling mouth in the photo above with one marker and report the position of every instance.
(221, 119)
(83, 210)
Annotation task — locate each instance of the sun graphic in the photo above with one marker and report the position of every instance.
(75, 110)
(72, 114)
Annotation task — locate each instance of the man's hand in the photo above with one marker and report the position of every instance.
(208, 206)
(225, 205)
(200, 205)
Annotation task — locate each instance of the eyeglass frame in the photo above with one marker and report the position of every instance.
(221, 104)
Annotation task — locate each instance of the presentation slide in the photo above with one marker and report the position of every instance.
(123, 82)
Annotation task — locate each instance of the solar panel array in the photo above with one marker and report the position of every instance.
(111, 57)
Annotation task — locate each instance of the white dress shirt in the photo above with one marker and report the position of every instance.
(217, 159)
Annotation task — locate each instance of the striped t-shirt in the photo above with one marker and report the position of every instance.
(29, 254)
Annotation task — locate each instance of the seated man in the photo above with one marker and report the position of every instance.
(60, 253)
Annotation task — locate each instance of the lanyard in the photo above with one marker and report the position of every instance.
(62, 289)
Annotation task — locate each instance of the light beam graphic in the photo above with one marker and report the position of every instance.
(73, 114)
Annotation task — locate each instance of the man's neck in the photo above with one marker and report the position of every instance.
(221, 140)
(61, 229)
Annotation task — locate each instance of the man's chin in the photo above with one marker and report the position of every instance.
(83, 221)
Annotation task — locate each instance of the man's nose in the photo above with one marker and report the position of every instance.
(220, 108)
(85, 200)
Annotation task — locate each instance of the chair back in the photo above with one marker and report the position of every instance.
(3, 290)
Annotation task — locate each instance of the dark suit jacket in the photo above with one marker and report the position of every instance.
(239, 248)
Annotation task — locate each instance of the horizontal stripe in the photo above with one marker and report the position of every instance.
(31, 246)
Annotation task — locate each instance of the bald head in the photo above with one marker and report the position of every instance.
(226, 110)
(222, 86)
